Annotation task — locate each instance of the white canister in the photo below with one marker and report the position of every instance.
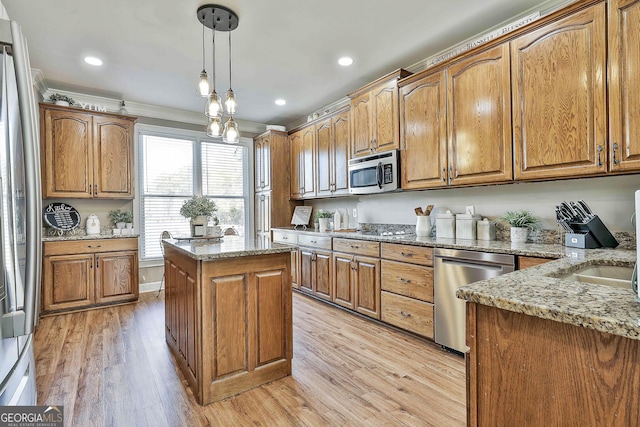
(446, 225)
(486, 230)
(466, 226)
(93, 224)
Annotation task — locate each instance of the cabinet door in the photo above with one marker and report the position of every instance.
(263, 214)
(306, 270)
(308, 159)
(423, 126)
(116, 276)
(479, 118)
(324, 154)
(558, 87)
(343, 292)
(385, 117)
(265, 169)
(67, 150)
(295, 145)
(271, 321)
(323, 275)
(68, 282)
(295, 261)
(367, 285)
(340, 156)
(361, 116)
(624, 98)
(113, 158)
(259, 164)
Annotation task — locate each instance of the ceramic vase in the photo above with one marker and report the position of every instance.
(519, 234)
(324, 224)
(199, 225)
(423, 226)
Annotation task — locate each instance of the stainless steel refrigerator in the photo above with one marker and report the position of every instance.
(20, 220)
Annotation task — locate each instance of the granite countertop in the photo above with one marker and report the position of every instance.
(537, 291)
(67, 237)
(227, 247)
(495, 246)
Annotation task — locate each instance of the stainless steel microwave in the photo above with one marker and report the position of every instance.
(376, 173)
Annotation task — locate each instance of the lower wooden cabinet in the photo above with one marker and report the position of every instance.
(315, 272)
(356, 283)
(81, 274)
(407, 313)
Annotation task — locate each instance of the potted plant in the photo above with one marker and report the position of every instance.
(323, 220)
(58, 99)
(521, 222)
(119, 218)
(199, 209)
(127, 217)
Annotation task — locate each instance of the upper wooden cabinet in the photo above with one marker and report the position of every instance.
(374, 115)
(332, 153)
(86, 155)
(456, 123)
(624, 97)
(262, 145)
(559, 97)
(303, 146)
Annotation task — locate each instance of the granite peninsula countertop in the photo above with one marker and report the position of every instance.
(68, 237)
(227, 247)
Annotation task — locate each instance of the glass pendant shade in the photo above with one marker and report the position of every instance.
(214, 129)
(203, 86)
(230, 104)
(213, 107)
(230, 133)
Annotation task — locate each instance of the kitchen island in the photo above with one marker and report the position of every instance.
(228, 313)
(548, 350)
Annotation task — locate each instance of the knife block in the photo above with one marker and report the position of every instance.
(589, 235)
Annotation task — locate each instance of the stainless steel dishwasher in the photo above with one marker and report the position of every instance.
(454, 268)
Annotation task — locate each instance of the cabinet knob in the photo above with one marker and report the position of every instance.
(354, 246)
(403, 314)
(404, 280)
(285, 238)
(406, 254)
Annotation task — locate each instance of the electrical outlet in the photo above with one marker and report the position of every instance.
(355, 213)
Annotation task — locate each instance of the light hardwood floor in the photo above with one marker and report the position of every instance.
(111, 367)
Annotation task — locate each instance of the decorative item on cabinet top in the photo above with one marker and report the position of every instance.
(61, 217)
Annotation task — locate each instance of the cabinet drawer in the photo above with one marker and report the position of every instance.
(407, 253)
(358, 247)
(410, 280)
(285, 237)
(408, 313)
(321, 242)
(90, 246)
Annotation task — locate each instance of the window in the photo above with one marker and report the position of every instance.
(177, 164)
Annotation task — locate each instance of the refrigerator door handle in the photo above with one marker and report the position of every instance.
(32, 176)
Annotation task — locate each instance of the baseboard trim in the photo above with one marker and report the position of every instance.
(149, 287)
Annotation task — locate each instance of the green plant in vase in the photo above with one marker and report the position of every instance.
(199, 209)
(521, 221)
(323, 218)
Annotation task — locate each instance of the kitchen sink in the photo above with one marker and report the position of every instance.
(608, 275)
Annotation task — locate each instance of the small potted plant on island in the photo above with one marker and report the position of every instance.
(323, 218)
(58, 99)
(199, 209)
(121, 220)
(521, 222)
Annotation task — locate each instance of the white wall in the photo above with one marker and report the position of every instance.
(611, 198)
(3, 12)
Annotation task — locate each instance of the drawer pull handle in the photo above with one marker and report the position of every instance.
(404, 280)
(406, 254)
(354, 246)
(314, 241)
(285, 238)
(92, 247)
(403, 314)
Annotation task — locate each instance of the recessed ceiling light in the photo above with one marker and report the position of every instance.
(345, 61)
(280, 102)
(92, 60)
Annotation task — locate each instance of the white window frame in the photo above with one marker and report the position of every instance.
(168, 132)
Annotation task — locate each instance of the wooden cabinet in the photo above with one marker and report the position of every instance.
(407, 288)
(332, 153)
(86, 155)
(471, 103)
(356, 283)
(316, 276)
(82, 274)
(624, 98)
(528, 261)
(559, 97)
(375, 117)
(272, 205)
(303, 146)
(228, 321)
(554, 373)
(290, 238)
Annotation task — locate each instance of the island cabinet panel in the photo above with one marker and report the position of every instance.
(228, 321)
(423, 132)
(524, 370)
(624, 99)
(479, 118)
(559, 97)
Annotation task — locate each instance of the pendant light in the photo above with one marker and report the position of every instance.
(203, 84)
(219, 18)
(213, 106)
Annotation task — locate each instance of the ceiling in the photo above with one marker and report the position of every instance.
(152, 49)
